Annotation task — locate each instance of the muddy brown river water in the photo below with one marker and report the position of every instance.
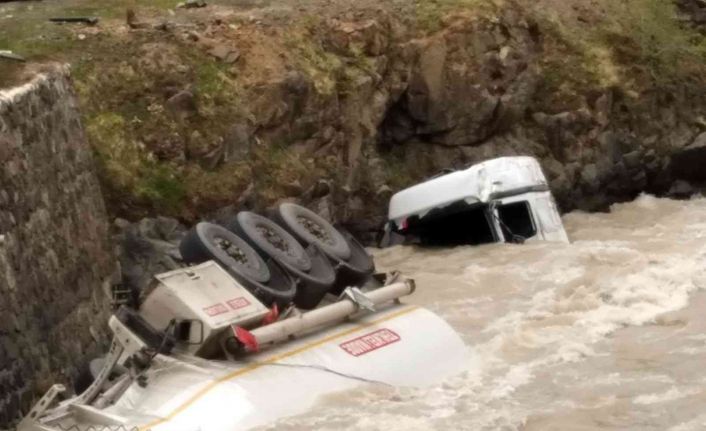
(605, 333)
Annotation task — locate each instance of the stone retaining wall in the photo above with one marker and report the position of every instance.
(55, 255)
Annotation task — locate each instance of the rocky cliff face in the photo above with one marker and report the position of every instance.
(221, 109)
(54, 250)
(408, 104)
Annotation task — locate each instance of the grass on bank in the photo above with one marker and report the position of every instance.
(635, 45)
(150, 160)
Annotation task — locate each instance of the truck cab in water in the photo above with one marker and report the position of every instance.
(500, 200)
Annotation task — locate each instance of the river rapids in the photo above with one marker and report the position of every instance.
(605, 333)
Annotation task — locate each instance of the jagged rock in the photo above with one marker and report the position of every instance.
(148, 247)
(225, 53)
(639, 180)
(694, 10)
(238, 142)
(633, 159)
(552, 168)
(121, 223)
(603, 108)
(191, 4)
(610, 144)
(325, 207)
(681, 189)
(688, 163)
(426, 85)
(320, 189)
(368, 34)
(183, 103)
(296, 83)
(132, 21)
(384, 191)
(589, 177)
(246, 198)
(169, 229)
(293, 188)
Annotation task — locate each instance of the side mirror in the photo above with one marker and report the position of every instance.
(188, 331)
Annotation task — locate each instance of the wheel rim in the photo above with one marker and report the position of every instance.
(275, 239)
(315, 230)
(233, 251)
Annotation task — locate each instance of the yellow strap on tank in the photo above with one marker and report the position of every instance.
(247, 369)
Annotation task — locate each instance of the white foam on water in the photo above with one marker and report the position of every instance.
(541, 318)
(696, 424)
(672, 394)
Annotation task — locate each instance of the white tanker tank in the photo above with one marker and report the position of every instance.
(226, 362)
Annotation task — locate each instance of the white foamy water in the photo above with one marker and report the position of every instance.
(607, 332)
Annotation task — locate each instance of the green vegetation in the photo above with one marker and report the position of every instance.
(150, 155)
(645, 33)
(128, 170)
(430, 14)
(26, 30)
(396, 169)
(284, 167)
(633, 44)
(154, 158)
(310, 56)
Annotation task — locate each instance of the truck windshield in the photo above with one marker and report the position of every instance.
(456, 224)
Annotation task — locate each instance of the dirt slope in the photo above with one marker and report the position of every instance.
(335, 103)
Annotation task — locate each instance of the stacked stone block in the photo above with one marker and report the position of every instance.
(55, 255)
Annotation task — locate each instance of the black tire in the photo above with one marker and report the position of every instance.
(310, 228)
(270, 239)
(357, 270)
(208, 241)
(313, 285)
(280, 290)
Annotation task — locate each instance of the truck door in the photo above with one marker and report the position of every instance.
(548, 218)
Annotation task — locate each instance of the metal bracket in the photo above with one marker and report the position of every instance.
(31, 421)
(116, 349)
(121, 296)
(357, 297)
(124, 341)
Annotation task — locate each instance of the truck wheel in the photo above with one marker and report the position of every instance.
(207, 241)
(280, 290)
(310, 228)
(271, 239)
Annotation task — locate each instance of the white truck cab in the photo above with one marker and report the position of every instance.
(500, 200)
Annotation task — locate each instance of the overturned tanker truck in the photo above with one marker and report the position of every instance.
(264, 318)
(500, 200)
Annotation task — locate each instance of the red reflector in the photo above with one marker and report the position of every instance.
(247, 339)
(271, 315)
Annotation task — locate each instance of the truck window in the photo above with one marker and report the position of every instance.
(456, 224)
(516, 219)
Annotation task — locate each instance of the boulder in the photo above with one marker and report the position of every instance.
(225, 53)
(238, 141)
(589, 177)
(148, 247)
(183, 103)
(681, 189)
(688, 163)
(633, 159)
